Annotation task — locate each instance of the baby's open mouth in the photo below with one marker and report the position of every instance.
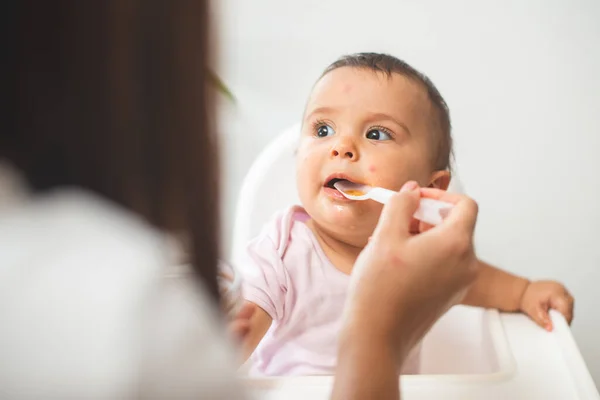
(332, 182)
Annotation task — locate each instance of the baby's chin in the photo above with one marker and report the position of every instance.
(354, 217)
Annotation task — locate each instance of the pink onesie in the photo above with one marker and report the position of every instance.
(287, 274)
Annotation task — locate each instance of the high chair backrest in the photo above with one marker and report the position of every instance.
(270, 185)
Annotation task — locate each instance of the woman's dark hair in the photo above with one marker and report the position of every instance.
(112, 96)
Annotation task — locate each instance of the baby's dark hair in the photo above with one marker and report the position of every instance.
(389, 64)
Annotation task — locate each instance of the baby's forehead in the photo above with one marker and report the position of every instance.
(361, 88)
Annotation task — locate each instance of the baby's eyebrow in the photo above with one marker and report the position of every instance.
(321, 110)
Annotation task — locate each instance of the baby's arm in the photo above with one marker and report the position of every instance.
(495, 288)
(259, 324)
(248, 328)
(264, 288)
(498, 289)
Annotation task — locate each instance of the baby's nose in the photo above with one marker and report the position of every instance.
(347, 154)
(344, 149)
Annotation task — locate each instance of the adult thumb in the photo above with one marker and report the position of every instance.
(397, 214)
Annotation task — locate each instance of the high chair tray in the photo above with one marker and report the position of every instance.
(473, 353)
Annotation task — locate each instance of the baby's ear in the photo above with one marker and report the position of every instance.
(440, 180)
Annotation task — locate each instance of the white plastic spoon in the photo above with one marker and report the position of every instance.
(428, 211)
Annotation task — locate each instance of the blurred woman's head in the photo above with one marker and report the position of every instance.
(111, 96)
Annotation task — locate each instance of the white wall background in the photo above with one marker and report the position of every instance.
(521, 79)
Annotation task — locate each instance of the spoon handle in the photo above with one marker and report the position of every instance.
(380, 195)
(428, 211)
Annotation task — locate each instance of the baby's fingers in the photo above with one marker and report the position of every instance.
(540, 316)
(246, 311)
(238, 329)
(564, 304)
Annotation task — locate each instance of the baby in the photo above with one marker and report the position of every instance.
(370, 119)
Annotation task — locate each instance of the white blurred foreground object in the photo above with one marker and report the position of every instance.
(470, 353)
(429, 211)
(89, 308)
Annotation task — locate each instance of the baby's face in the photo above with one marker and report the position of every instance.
(370, 129)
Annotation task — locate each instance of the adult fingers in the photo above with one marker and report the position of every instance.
(465, 210)
(442, 195)
(397, 215)
(462, 216)
(424, 226)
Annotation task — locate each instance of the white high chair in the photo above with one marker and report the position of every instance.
(469, 353)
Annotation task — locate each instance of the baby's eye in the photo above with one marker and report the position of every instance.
(378, 134)
(324, 131)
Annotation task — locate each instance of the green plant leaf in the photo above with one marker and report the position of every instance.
(221, 87)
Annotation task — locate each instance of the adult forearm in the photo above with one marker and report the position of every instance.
(367, 368)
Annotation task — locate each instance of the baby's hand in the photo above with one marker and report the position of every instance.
(541, 296)
(239, 326)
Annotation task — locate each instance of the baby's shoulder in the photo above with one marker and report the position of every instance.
(286, 228)
(283, 227)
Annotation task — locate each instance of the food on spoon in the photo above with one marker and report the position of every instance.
(354, 192)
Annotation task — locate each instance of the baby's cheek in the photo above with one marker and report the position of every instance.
(309, 154)
(388, 179)
(307, 170)
(305, 158)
